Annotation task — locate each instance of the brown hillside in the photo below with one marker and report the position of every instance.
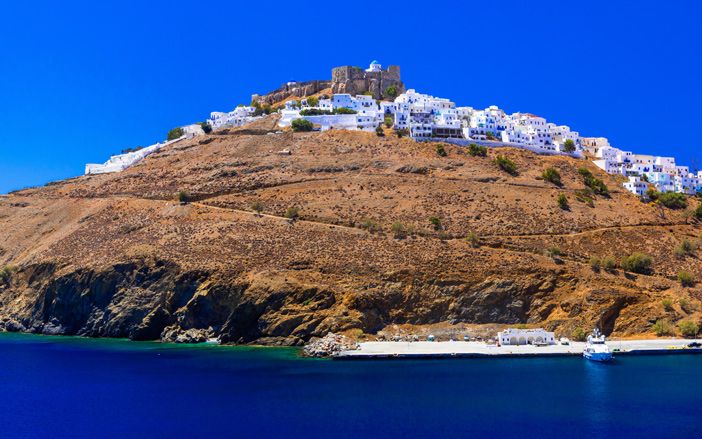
(115, 255)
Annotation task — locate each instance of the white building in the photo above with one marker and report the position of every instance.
(120, 162)
(367, 114)
(636, 186)
(239, 116)
(516, 337)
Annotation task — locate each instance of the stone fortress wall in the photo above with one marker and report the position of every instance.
(356, 81)
(346, 79)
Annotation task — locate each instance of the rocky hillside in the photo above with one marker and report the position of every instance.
(388, 232)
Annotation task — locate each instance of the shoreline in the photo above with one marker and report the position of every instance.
(458, 349)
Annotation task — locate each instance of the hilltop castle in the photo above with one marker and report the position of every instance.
(381, 84)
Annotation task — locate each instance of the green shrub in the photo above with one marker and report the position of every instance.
(391, 91)
(175, 133)
(5, 274)
(506, 165)
(637, 263)
(563, 201)
(698, 212)
(554, 253)
(473, 239)
(685, 305)
(585, 196)
(608, 263)
(652, 194)
(344, 110)
(312, 101)
(183, 197)
(667, 304)
(595, 263)
(388, 121)
(673, 200)
(299, 125)
(662, 327)
(579, 334)
(292, 213)
(441, 151)
(477, 150)
(399, 230)
(552, 175)
(257, 206)
(206, 127)
(685, 248)
(402, 132)
(595, 184)
(436, 223)
(370, 225)
(568, 146)
(315, 112)
(379, 131)
(688, 328)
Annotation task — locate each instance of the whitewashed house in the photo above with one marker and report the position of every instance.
(636, 186)
(517, 337)
(120, 162)
(235, 118)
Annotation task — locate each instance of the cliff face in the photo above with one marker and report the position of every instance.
(114, 255)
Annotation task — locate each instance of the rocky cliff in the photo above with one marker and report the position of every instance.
(385, 233)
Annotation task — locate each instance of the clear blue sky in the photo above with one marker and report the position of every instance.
(82, 80)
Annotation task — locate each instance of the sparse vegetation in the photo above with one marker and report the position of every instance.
(595, 184)
(698, 212)
(667, 304)
(391, 91)
(578, 334)
(257, 207)
(379, 131)
(292, 213)
(299, 125)
(399, 231)
(595, 263)
(637, 263)
(183, 197)
(685, 248)
(685, 305)
(5, 274)
(477, 150)
(506, 165)
(554, 253)
(662, 327)
(585, 196)
(608, 263)
(370, 225)
(175, 133)
(568, 146)
(441, 151)
(563, 201)
(402, 132)
(552, 176)
(206, 127)
(312, 101)
(436, 223)
(673, 200)
(388, 121)
(473, 239)
(688, 328)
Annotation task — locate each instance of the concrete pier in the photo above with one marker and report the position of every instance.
(448, 349)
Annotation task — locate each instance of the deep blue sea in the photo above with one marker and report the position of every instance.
(60, 387)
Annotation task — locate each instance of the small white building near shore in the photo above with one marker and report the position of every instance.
(516, 337)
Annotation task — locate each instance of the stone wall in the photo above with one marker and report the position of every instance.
(294, 90)
(356, 81)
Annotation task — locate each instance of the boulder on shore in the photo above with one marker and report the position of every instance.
(328, 346)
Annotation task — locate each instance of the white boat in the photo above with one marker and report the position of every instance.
(596, 349)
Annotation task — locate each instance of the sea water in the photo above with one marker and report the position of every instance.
(69, 387)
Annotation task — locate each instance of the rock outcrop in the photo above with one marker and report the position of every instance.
(328, 346)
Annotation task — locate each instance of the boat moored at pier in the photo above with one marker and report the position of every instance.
(596, 349)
